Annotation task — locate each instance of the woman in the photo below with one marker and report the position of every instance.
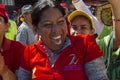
(10, 51)
(81, 23)
(58, 56)
(80, 5)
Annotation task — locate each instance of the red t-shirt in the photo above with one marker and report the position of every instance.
(12, 52)
(70, 63)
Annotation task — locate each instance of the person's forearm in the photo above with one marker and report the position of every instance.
(80, 5)
(116, 25)
(8, 75)
(95, 69)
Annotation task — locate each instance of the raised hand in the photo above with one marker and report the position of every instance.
(116, 21)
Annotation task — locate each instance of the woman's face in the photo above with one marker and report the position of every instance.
(3, 26)
(81, 25)
(52, 28)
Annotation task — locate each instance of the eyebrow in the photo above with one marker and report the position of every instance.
(49, 20)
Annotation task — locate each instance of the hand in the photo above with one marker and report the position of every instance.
(2, 64)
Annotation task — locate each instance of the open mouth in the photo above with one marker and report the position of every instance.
(57, 40)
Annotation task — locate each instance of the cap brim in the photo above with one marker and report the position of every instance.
(77, 13)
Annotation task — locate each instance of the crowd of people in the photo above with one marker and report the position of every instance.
(52, 43)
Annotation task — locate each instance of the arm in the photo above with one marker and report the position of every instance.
(80, 5)
(94, 62)
(95, 69)
(6, 73)
(116, 22)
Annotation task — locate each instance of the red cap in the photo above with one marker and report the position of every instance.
(3, 11)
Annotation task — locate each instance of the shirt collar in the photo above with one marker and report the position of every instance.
(66, 44)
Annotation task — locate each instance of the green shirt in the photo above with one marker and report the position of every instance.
(12, 31)
(106, 31)
(112, 58)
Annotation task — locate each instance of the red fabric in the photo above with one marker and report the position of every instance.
(3, 11)
(12, 52)
(68, 26)
(70, 63)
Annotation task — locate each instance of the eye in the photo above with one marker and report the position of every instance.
(61, 22)
(83, 27)
(74, 27)
(47, 25)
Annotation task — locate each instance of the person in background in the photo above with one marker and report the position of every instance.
(80, 5)
(12, 31)
(58, 56)
(20, 20)
(25, 32)
(110, 44)
(10, 51)
(81, 23)
(15, 15)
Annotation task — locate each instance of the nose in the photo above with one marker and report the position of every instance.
(55, 28)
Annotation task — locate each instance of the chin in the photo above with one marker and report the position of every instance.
(56, 48)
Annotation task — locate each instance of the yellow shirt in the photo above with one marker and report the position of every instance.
(12, 31)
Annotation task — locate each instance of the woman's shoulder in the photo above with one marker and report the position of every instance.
(35, 46)
(82, 38)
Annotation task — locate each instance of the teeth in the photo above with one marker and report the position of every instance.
(58, 37)
(57, 40)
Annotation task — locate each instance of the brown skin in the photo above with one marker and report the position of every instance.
(4, 71)
(116, 24)
(53, 29)
(3, 28)
(81, 25)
